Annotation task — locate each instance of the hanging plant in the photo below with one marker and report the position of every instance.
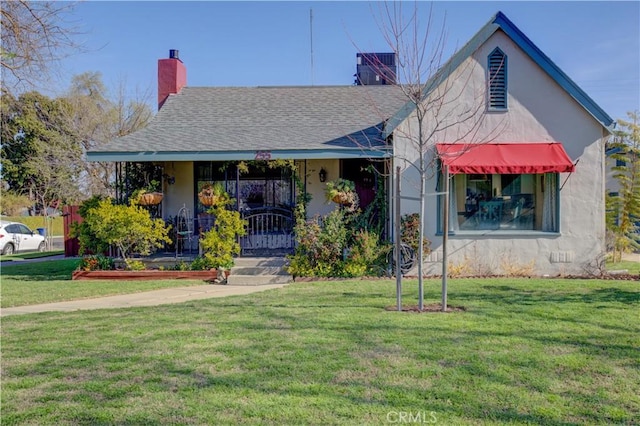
(150, 195)
(210, 195)
(150, 198)
(342, 191)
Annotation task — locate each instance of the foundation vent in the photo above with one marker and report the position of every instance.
(562, 257)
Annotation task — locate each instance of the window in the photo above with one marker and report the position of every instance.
(503, 202)
(497, 80)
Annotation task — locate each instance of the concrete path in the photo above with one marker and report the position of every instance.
(149, 298)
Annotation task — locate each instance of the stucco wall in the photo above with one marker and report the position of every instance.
(538, 110)
(181, 192)
(318, 204)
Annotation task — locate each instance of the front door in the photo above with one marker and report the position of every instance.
(265, 196)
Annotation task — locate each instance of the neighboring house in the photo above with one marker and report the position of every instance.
(527, 164)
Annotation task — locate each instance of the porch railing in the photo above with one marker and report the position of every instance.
(269, 229)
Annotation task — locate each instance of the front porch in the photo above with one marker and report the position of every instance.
(265, 193)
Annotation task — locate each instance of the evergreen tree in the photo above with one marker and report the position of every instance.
(623, 209)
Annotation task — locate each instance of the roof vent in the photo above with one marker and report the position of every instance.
(173, 54)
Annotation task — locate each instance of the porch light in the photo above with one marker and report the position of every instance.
(170, 179)
(322, 175)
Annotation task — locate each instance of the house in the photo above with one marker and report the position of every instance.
(521, 144)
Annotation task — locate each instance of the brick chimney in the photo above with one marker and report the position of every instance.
(172, 76)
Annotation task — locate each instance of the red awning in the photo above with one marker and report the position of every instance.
(505, 158)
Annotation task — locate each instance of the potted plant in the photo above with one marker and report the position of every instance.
(212, 194)
(341, 191)
(151, 195)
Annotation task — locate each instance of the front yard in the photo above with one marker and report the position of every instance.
(526, 351)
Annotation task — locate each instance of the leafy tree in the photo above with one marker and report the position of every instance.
(623, 210)
(44, 140)
(40, 155)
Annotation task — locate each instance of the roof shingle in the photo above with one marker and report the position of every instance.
(219, 119)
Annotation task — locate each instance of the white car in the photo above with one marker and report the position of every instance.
(17, 237)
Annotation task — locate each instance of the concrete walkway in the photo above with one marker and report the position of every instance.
(148, 298)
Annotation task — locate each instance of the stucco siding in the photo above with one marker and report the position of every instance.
(181, 192)
(538, 110)
(318, 204)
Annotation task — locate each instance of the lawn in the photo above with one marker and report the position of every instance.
(629, 266)
(525, 351)
(50, 281)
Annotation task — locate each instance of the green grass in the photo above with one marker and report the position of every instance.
(526, 351)
(632, 267)
(56, 224)
(50, 281)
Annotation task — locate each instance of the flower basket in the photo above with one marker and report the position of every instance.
(150, 198)
(211, 195)
(343, 198)
(208, 200)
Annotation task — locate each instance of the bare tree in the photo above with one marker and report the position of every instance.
(35, 36)
(444, 103)
(97, 119)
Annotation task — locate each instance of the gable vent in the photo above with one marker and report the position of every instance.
(497, 80)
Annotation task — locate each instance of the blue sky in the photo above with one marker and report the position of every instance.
(268, 43)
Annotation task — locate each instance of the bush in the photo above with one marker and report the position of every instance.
(220, 243)
(202, 263)
(96, 262)
(367, 255)
(130, 228)
(134, 265)
(325, 247)
(89, 241)
(319, 246)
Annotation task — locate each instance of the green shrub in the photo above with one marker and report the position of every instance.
(87, 238)
(130, 228)
(202, 263)
(319, 246)
(220, 244)
(96, 262)
(134, 265)
(367, 255)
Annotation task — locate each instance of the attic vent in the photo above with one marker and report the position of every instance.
(497, 77)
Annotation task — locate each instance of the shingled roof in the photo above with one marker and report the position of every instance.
(233, 123)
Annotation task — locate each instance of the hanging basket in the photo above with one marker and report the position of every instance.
(343, 198)
(150, 198)
(208, 200)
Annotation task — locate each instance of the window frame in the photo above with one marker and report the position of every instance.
(496, 232)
